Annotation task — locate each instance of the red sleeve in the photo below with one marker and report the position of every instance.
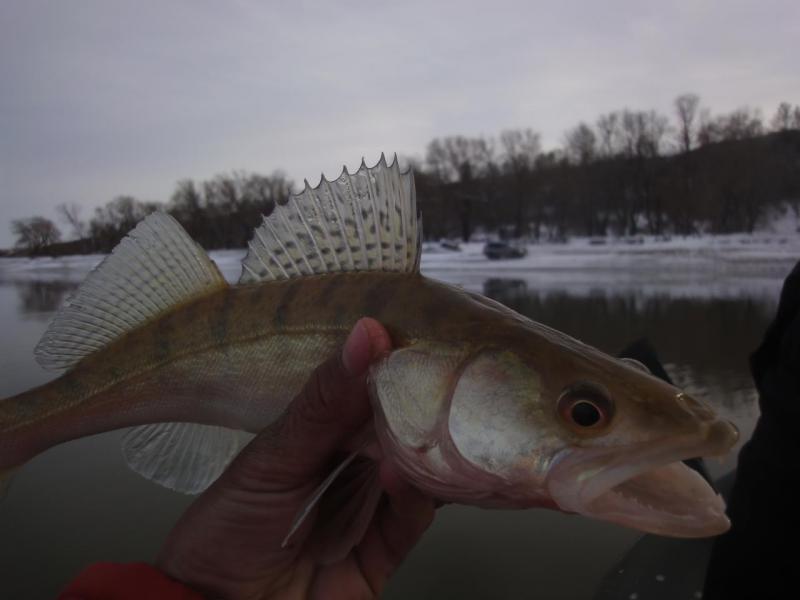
(125, 581)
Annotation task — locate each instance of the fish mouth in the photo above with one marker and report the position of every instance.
(646, 486)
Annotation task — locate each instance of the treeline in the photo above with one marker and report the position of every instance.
(219, 213)
(629, 172)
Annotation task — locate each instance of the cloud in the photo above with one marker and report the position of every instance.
(100, 99)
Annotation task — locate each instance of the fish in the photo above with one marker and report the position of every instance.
(476, 404)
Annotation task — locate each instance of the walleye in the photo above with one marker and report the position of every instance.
(476, 404)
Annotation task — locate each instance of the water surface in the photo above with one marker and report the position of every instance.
(78, 503)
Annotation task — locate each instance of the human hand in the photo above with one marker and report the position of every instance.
(228, 543)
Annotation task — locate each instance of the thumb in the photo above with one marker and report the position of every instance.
(331, 408)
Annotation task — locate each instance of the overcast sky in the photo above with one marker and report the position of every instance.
(104, 98)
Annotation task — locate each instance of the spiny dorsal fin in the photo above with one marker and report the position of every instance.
(365, 221)
(154, 268)
(185, 457)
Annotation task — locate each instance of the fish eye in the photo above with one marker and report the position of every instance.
(585, 406)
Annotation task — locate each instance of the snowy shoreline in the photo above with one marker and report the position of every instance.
(727, 266)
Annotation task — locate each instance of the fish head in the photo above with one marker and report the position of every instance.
(624, 436)
(555, 424)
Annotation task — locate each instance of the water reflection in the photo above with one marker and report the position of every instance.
(714, 335)
(505, 290)
(704, 343)
(42, 298)
(102, 511)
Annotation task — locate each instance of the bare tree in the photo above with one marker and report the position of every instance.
(459, 158)
(581, 144)
(186, 201)
(71, 215)
(741, 124)
(682, 209)
(686, 106)
(35, 234)
(608, 126)
(112, 221)
(643, 133)
(521, 148)
(265, 191)
(707, 130)
(783, 117)
(415, 163)
(437, 161)
(463, 161)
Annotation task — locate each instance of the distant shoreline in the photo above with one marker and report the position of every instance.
(724, 266)
(729, 252)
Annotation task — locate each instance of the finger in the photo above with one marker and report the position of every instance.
(396, 529)
(332, 407)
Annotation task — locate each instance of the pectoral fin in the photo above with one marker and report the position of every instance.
(345, 502)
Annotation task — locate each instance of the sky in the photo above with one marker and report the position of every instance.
(104, 98)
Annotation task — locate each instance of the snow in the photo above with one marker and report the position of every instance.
(724, 265)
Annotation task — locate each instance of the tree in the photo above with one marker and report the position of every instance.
(459, 158)
(608, 126)
(786, 117)
(112, 221)
(686, 108)
(741, 124)
(643, 133)
(521, 148)
(463, 161)
(783, 117)
(35, 234)
(186, 201)
(187, 206)
(682, 209)
(71, 215)
(581, 144)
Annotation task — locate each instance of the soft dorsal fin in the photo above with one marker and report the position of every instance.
(154, 268)
(365, 221)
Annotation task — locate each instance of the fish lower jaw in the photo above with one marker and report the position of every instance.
(672, 500)
(660, 495)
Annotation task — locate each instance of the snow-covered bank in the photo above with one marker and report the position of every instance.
(716, 266)
(762, 255)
